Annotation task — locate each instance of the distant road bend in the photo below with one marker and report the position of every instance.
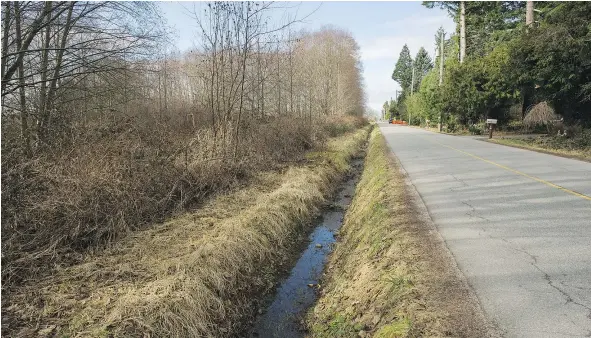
(518, 223)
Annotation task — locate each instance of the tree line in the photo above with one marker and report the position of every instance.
(58, 58)
(66, 63)
(504, 59)
(107, 127)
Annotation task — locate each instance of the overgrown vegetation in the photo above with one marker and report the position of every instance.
(390, 274)
(106, 129)
(199, 274)
(505, 64)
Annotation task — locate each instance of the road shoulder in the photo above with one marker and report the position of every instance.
(391, 273)
(515, 143)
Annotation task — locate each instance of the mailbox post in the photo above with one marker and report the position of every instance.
(491, 126)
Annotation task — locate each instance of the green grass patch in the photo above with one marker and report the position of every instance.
(399, 328)
(339, 326)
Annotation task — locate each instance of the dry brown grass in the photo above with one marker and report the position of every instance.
(390, 274)
(106, 180)
(196, 275)
(540, 114)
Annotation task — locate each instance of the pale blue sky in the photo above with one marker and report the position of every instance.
(380, 28)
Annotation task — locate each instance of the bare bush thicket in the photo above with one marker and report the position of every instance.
(105, 130)
(542, 114)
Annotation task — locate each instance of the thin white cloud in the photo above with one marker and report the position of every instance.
(414, 31)
(418, 21)
(389, 47)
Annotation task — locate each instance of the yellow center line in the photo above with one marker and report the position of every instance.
(555, 186)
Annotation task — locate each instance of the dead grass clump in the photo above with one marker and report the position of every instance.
(222, 268)
(200, 274)
(540, 114)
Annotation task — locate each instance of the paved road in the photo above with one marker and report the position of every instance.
(517, 222)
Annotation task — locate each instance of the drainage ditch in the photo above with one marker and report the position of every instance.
(284, 317)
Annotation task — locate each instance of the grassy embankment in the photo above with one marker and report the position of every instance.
(391, 274)
(199, 274)
(578, 148)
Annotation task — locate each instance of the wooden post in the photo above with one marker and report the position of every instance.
(491, 126)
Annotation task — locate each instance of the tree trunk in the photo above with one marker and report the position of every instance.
(160, 96)
(462, 31)
(165, 82)
(525, 94)
(290, 74)
(45, 112)
(6, 29)
(26, 144)
(441, 60)
(44, 63)
(412, 81)
(278, 83)
(310, 106)
(529, 13)
(441, 44)
(243, 79)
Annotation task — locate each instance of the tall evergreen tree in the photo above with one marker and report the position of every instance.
(422, 65)
(403, 70)
(490, 23)
(386, 110)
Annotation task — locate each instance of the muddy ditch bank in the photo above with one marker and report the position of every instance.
(285, 312)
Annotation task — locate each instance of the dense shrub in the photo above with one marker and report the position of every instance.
(509, 67)
(476, 129)
(336, 126)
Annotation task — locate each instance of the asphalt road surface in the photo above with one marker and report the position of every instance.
(518, 223)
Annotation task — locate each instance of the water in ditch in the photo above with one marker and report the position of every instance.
(284, 316)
